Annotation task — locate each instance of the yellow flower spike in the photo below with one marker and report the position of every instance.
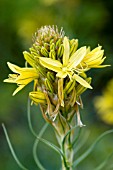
(22, 77)
(69, 66)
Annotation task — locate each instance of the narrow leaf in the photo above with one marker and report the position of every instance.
(12, 150)
(51, 145)
(84, 155)
(103, 164)
(35, 147)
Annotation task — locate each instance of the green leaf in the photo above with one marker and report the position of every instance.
(103, 164)
(35, 147)
(51, 145)
(12, 150)
(85, 154)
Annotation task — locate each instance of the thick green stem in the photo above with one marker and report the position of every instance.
(68, 162)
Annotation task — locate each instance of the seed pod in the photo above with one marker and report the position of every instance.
(58, 43)
(49, 85)
(71, 41)
(44, 52)
(37, 97)
(52, 54)
(46, 45)
(51, 41)
(52, 47)
(29, 58)
(80, 89)
(73, 47)
(37, 47)
(83, 75)
(69, 86)
(72, 98)
(60, 51)
(41, 70)
(50, 76)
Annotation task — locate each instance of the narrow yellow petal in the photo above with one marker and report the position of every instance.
(77, 57)
(13, 67)
(18, 89)
(81, 81)
(51, 64)
(66, 51)
(27, 77)
(12, 78)
(61, 74)
(29, 58)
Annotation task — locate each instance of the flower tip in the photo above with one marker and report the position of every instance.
(8, 63)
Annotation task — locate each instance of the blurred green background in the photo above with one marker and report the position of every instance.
(89, 21)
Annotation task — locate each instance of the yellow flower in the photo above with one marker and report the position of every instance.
(69, 64)
(104, 104)
(93, 59)
(22, 77)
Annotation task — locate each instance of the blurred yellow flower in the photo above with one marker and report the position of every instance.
(22, 77)
(104, 104)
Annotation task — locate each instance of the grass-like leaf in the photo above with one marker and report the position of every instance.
(84, 155)
(80, 143)
(68, 133)
(35, 147)
(51, 145)
(12, 150)
(103, 164)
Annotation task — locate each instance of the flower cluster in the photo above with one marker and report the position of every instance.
(58, 68)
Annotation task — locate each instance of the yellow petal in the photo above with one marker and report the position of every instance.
(66, 51)
(61, 74)
(29, 58)
(51, 64)
(18, 89)
(81, 81)
(77, 57)
(12, 78)
(13, 67)
(27, 76)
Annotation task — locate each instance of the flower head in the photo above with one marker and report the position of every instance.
(68, 66)
(58, 69)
